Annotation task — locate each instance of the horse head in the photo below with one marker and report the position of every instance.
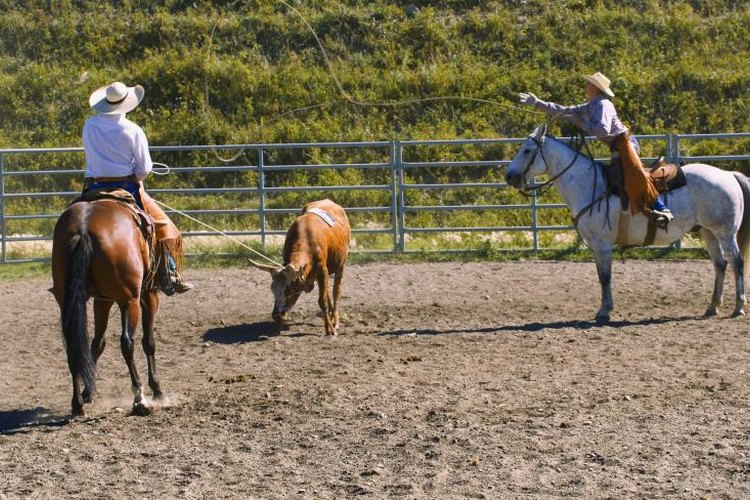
(528, 162)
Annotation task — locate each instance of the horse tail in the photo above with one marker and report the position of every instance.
(80, 359)
(743, 235)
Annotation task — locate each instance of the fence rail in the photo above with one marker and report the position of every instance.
(395, 161)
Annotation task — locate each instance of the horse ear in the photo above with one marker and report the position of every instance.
(263, 267)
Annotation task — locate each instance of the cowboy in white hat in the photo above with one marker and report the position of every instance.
(598, 117)
(117, 156)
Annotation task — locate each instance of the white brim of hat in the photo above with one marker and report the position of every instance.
(98, 101)
(596, 84)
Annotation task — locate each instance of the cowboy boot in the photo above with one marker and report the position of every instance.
(170, 280)
(177, 285)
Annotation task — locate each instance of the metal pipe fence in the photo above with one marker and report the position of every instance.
(414, 196)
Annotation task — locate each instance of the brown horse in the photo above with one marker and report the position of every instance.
(99, 250)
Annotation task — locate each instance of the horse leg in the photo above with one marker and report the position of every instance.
(729, 245)
(603, 257)
(101, 320)
(720, 269)
(324, 300)
(131, 312)
(337, 290)
(150, 303)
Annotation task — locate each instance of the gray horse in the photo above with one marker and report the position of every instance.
(716, 200)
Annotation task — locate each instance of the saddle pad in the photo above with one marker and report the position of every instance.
(327, 218)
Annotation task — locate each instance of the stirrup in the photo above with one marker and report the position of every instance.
(666, 213)
(662, 218)
(181, 287)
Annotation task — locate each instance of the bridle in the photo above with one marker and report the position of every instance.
(540, 189)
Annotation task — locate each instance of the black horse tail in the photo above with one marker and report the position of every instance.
(73, 314)
(743, 235)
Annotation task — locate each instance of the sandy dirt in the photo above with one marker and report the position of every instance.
(450, 380)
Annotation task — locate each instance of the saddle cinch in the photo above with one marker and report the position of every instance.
(142, 219)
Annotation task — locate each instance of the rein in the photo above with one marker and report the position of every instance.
(579, 143)
(541, 189)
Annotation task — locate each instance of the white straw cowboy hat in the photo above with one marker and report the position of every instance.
(116, 98)
(601, 82)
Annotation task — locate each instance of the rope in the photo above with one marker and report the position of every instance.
(356, 102)
(166, 167)
(223, 234)
(339, 86)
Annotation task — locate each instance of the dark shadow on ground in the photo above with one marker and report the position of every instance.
(19, 421)
(537, 326)
(248, 332)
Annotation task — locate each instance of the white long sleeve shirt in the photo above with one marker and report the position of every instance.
(115, 147)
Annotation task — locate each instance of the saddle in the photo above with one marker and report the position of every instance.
(666, 176)
(141, 218)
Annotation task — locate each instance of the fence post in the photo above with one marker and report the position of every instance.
(2, 207)
(534, 220)
(399, 158)
(674, 149)
(394, 196)
(262, 207)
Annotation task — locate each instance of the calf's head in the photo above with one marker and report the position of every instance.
(287, 284)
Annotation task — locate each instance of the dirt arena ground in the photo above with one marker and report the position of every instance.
(449, 380)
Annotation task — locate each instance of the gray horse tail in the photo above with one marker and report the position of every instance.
(73, 314)
(743, 235)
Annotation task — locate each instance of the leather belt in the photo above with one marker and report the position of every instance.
(114, 179)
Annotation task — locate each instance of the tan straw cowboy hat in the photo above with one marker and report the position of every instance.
(116, 98)
(601, 82)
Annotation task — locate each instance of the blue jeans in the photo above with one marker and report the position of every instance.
(129, 186)
(659, 204)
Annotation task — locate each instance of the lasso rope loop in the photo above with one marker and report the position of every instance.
(339, 86)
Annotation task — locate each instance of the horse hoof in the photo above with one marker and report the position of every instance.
(711, 311)
(602, 319)
(738, 312)
(141, 410)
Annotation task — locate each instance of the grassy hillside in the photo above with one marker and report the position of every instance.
(253, 72)
(234, 72)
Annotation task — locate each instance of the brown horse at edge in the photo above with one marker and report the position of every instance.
(98, 250)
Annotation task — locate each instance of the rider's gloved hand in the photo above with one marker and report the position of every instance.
(527, 98)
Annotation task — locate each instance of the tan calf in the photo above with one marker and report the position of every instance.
(316, 246)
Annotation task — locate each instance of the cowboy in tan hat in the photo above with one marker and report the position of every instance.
(117, 156)
(598, 117)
